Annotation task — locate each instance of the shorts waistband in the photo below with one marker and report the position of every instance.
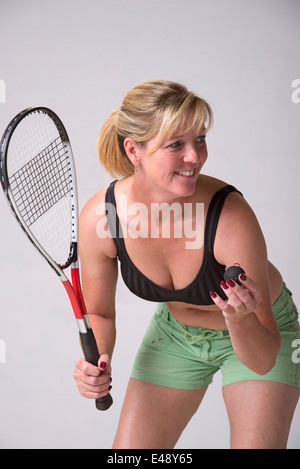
(192, 333)
(204, 335)
(284, 309)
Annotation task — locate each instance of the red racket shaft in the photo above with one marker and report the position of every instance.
(88, 341)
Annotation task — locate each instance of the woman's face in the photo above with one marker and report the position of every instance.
(175, 165)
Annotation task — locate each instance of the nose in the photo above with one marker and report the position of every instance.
(192, 155)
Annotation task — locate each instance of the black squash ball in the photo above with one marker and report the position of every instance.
(233, 273)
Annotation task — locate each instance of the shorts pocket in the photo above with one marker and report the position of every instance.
(156, 337)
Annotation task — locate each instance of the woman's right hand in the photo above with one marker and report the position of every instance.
(93, 381)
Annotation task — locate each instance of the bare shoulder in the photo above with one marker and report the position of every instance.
(93, 227)
(209, 183)
(237, 214)
(234, 205)
(206, 187)
(238, 233)
(93, 206)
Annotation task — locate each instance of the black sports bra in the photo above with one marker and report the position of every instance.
(210, 273)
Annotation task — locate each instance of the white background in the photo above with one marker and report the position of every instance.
(80, 57)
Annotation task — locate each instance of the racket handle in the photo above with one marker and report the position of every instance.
(91, 354)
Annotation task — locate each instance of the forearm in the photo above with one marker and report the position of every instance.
(255, 345)
(105, 332)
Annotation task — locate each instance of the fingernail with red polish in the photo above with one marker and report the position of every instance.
(213, 294)
(243, 277)
(224, 285)
(230, 283)
(102, 365)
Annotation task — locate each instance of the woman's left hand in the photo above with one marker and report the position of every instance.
(242, 299)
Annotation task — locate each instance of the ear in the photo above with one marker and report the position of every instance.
(132, 151)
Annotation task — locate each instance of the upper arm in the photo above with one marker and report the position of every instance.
(239, 239)
(99, 270)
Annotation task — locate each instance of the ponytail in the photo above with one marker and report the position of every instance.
(110, 149)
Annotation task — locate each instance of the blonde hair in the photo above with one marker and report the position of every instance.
(155, 108)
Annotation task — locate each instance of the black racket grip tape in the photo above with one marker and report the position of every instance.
(233, 273)
(91, 355)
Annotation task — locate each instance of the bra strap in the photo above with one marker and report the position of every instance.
(213, 215)
(112, 216)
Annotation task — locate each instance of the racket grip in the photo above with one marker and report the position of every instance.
(91, 354)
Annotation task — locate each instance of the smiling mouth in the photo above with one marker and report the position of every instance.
(185, 173)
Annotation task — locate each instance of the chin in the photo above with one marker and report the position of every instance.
(186, 189)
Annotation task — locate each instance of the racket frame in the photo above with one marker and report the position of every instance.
(73, 289)
(79, 309)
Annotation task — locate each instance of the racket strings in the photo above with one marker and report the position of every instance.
(41, 183)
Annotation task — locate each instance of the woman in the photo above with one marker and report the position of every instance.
(156, 143)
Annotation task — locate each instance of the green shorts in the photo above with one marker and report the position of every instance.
(185, 357)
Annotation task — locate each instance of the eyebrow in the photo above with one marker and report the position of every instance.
(203, 130)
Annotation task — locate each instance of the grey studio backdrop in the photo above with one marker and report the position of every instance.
(79, 57)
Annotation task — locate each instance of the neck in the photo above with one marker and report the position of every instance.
(145, 191)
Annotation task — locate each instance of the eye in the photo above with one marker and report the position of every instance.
(201, 139)
(176, 145)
